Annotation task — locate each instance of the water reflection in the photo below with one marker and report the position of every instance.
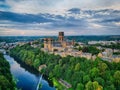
(27, 79)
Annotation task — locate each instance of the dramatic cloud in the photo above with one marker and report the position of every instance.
(54, 6)
(47, 17)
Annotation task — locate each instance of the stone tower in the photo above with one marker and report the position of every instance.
(61, 36)
(45, 43)
(48, 43)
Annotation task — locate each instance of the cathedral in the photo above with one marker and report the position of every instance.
(60, 44)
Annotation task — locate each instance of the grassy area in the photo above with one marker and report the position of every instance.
(57, 85)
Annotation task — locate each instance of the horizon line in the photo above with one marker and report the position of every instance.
(50, 35)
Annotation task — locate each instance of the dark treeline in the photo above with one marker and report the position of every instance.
(88, 49)
(112, 46)
(81, 73)
(76, 38)
(6, 80)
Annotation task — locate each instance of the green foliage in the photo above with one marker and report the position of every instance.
(42, 45)
(79, 72)
(103, 67)
(117, 79)
(77, 67)
(100, 80)
(116, 53)
(113, 46)
(80, 86)
(94, 72)
(93, 86)
(76, 44)
(86, 78)
(6, 81)
(91, 49)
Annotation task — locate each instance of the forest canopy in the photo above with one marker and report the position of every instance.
(81, 73)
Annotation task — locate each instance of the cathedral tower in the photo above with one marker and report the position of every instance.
(61, 36)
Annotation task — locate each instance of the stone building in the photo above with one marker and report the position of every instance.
(57, 45)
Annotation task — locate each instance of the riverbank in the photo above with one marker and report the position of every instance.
(27, 78)
(7, 81)
(32, 69)
(24, 65)
(52, 82)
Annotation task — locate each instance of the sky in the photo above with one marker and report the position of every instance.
(48, 17)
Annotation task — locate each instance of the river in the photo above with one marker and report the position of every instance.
(26, 78)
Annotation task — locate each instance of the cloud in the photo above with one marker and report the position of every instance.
(81, 17)
(93, 25)
(117, 23)
(55, 6)
(94, 22)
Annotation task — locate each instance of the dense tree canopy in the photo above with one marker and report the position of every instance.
(81, 73)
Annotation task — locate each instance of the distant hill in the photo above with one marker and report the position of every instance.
(76, 38)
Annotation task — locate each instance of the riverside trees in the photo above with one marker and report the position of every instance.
(6, 80)
(81, 73)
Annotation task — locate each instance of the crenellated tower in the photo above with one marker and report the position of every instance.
(48, 43)
(61, 36)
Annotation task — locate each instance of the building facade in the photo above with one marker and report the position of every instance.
(57, 45)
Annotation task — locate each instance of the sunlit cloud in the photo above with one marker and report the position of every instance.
(93, 25)
(117, 23)
(47, 17)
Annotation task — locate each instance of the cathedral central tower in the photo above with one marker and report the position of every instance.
(61, 36)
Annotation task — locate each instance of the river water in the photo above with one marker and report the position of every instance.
(26, 78)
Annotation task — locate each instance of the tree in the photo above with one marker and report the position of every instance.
(89, 86)
(94, 72)
(96, 86)
(6, 80)
(117, 78)
(110, 87)
(68, 74)
(86, 78)
(36, 63)
(76, 44)
(80, 86)
(42, 45)
(91, 49)
(93, 86)
(57, 71)
(100, 81)
(4, 83)
(77, 67)
(102, 67)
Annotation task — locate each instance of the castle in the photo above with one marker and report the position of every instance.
(61, 44)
